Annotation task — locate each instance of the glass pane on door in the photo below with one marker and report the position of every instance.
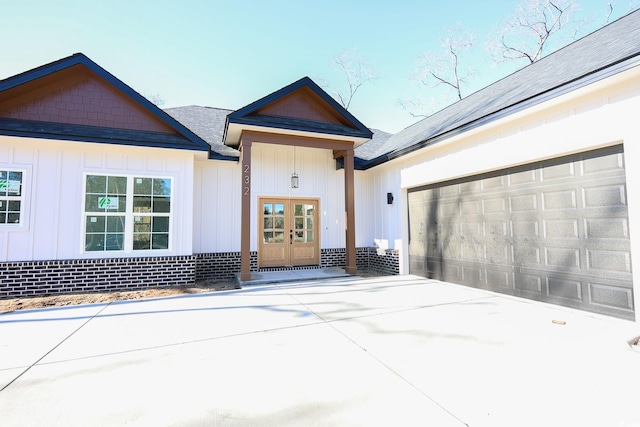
(273, 217)
(303, 223)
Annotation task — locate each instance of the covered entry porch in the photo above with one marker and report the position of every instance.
(283, 225)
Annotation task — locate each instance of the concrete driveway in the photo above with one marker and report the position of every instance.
(351, 351)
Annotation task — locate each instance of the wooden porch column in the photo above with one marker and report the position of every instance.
(350, 220)
(245, 221)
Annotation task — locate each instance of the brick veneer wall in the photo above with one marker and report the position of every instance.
(385, 261)
(42, 278)
(225, 265)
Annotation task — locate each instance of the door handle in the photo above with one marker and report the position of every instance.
(291, 237)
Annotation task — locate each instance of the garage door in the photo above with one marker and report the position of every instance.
(555, 231)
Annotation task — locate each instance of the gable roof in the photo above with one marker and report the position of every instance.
(605, 52)
(177, 136)
(259, 114)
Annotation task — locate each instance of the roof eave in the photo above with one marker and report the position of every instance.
(102, 140)
(575, 84)
(234, 128)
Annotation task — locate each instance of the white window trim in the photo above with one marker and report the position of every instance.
(129, 217)
(25, 199)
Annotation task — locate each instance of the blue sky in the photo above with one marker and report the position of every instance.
(227, 54)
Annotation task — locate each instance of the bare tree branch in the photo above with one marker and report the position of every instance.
(155, 98)
(356, 73)
(443, 69)
(528, 33)
(611, 8)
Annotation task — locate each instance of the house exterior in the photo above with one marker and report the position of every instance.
(524, 187)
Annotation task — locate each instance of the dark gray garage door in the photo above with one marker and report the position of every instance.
(554, 231)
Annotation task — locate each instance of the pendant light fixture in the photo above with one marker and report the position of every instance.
(295, 181)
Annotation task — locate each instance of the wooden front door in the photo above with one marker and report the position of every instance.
(288, 232)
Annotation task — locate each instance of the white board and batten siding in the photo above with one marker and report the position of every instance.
(218, 196)
(55, 173)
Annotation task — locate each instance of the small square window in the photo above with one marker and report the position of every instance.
(11, 197)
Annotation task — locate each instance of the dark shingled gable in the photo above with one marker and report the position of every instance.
(246, 115)
(183, 138)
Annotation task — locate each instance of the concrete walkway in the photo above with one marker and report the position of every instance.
(266, 277)
(351, 351)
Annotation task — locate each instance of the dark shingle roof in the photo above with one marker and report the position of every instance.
(589, 59)
(208, 123)
(368, 150)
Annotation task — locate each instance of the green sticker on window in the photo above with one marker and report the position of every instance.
(108, 202)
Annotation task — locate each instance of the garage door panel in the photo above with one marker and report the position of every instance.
(608, 261)
(451, 250)
(560, 228)
(604, 196)
(497, 278)
(472, 252)
(606, 228)
(496, 205)
(448, 208)
(471, 207)
(568, 289)
(555, 231)
(523, 203)
(523, 177)
(606, 164)
(562, 258)
(522, 229)
(470, 187)
(527, 255)
(493, 183)
(447, 191)
(497, 253)
(528, 283)
(496, 229)
(559, 171)
(610, 296)
(561, 199)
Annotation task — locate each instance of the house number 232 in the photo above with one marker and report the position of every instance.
(246, 180)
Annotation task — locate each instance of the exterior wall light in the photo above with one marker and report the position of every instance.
(389, 198)
(295, 181)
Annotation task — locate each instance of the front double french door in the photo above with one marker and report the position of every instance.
(288, 232)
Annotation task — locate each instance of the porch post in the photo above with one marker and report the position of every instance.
(245, 221)
(350, 220)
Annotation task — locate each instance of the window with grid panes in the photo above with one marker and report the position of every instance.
(127, 213)
(11, 197)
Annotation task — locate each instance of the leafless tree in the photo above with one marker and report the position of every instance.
(356, 72)
(533, 26)
(445, 69)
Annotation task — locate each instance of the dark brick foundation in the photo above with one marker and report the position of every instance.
(225, 265)
(42, 278)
